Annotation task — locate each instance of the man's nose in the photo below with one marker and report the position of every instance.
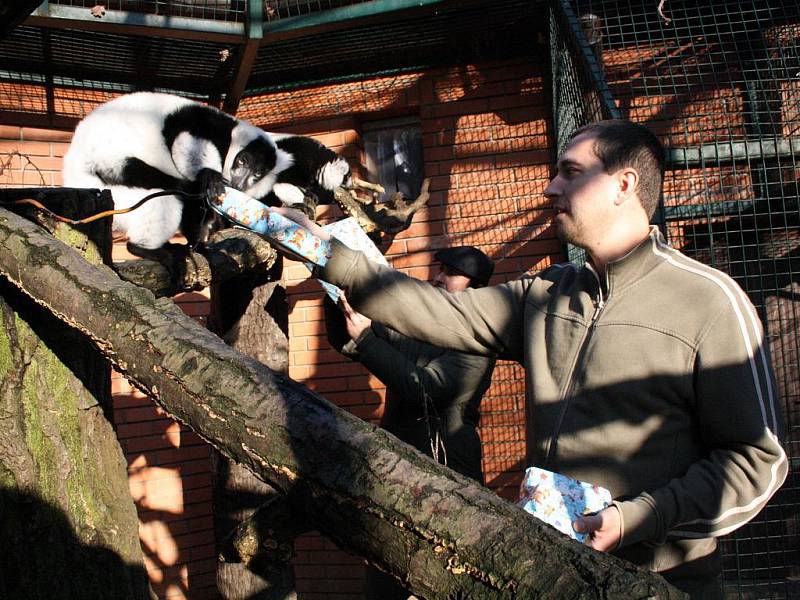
(552, 188)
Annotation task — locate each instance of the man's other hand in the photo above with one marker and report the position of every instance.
(603, 529)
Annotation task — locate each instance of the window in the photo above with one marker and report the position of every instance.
(393, 151)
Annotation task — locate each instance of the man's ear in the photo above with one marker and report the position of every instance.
(628, 179)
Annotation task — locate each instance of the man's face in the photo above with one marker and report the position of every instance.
(582, 194)
(450, 279)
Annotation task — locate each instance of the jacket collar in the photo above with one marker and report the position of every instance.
(637, 263)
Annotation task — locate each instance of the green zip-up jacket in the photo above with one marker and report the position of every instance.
(653, 383)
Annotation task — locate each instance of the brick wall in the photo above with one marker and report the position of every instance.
(488, 148)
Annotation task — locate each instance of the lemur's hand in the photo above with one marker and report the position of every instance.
(210, 183)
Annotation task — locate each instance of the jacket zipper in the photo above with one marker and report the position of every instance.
(567, 395)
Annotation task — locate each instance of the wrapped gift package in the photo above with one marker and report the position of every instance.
(560, 500)
(284, 233)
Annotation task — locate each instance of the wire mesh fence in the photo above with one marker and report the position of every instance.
(218, 10)
(719, 82)
(64, 73)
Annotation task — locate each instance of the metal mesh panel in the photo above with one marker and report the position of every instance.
(90, 65)
(281, 9)
(719, 82)
(219, 10)
(450, 36)
(580, 94)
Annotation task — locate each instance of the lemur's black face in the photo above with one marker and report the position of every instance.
(252, 163)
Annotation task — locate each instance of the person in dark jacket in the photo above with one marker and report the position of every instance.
(432, 395)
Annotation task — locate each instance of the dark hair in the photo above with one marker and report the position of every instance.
(467, 261)
(619, 143)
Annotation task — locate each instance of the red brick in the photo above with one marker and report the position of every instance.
(315, 357)
(195, 539)
(26, 148)
(314, 328)
(511, 101)
(145, 413)
(308, 541)
(438, 153)
(328, 385)
(44, 135)
(299, 373)
(461, 107)
(10, 132)
(353, 398)
(472, 194)
(412, 260)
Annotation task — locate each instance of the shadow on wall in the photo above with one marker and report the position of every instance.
(170, 483)
(42, 557)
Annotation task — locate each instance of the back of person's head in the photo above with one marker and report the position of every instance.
(468, 261)
(620, 143)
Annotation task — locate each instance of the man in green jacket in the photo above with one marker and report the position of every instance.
(646, 371)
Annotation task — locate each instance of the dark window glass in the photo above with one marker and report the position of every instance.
(394, 157)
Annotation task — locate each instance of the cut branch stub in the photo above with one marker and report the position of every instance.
(267, 536)
(388, 217)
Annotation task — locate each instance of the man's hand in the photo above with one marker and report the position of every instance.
(355, 322)
(603, 529)
(302, 219)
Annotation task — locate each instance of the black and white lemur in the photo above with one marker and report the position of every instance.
(146, 142)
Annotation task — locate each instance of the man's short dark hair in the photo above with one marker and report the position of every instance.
(620, 143)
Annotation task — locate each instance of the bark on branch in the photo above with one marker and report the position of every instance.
(373, 495)
(230, 252)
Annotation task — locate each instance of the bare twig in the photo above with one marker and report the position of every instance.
(5, 165)
(661, 14)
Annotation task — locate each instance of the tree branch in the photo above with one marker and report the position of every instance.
(230, 252)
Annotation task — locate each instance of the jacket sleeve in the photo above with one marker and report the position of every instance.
(385, 353)
(479, 321)
(738, 419)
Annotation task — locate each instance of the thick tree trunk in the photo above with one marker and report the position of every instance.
(69, 524)
(444, 535)
(250, 313)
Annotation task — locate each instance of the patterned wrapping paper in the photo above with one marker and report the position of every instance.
(290, 237)
(559, 500)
